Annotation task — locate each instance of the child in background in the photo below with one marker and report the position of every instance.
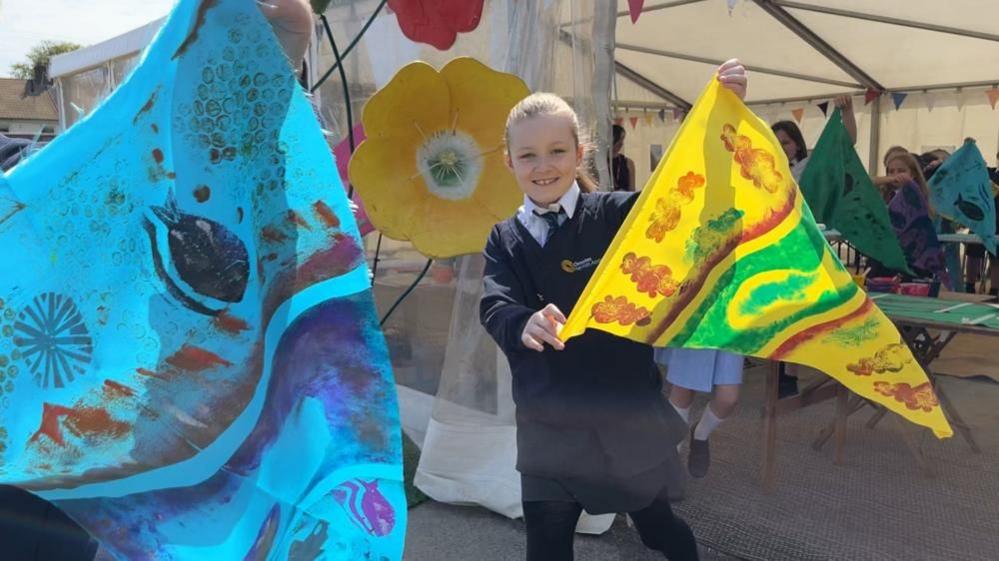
(695, 370)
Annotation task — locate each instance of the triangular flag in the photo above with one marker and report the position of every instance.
(961, 191)
(634, 121)
(824, 107)
(841, 195)
(635, 9)
(798, 114)
(897, 98)
(931, 100)
(677, 114)
(618, 120)
(731, 6)
(649, 117)
(993, 96)
(870, 95)
(721, 252)
(662, 115)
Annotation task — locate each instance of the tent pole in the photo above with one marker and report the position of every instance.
(888, 20)
(751, 68)
(651, 86)
(818, 43)
(875, 149)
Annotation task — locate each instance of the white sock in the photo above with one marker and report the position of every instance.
(708, 423)
(683, 411)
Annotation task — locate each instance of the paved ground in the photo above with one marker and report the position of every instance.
(439, 532)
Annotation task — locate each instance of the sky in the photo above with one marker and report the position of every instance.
(25, 23)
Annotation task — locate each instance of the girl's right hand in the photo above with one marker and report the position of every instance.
(543, 327)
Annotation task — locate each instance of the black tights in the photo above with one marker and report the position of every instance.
(551, 526)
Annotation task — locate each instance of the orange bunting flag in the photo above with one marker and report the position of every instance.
(993, 96)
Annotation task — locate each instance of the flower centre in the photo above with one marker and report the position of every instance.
(450, 163)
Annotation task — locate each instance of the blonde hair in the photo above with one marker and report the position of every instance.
(909, 161)
(543, 103)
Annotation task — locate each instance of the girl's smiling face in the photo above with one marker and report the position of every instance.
(544, 154)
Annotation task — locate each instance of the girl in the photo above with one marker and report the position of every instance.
(593, 430)
(793, 142)
(912, 218)
(622, 167)
(696, 370)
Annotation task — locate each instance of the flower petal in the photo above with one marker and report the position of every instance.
(497, 190)
(416, 99)
(481, 99)
(385, 177)
(450, 228)
(436, 23)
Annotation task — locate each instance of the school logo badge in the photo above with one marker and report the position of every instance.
(571, 266)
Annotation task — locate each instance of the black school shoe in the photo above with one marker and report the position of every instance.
(787, 386)
(699, 459)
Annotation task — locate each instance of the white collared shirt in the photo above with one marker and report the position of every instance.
(537, 225)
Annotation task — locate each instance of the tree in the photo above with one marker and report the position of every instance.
(40, 55)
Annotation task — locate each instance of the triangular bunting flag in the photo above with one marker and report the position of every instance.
(898, 98)
(633, 121)
(648, 118)
(870, 95)
(635, 9)
(993, 96)
(798, 114)
(824, 107)
(961, 191)
(931, 100)
(841, 195)
(677, 114)
(721, 252)
(731, 6)
(662, 115)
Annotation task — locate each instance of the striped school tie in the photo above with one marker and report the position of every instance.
(553, 219)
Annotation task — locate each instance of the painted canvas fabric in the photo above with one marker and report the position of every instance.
(190, 362)
(842, 196)
(962, 191)
(721, 252)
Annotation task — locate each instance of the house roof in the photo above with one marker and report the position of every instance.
(13, 106)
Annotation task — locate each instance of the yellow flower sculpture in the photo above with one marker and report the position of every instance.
(431, 170)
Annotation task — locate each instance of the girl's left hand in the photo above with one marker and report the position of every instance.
(732, 75)
(292, 23)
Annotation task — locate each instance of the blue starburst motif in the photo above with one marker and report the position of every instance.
(53, 340)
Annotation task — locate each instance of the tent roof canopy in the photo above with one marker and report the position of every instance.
(805, 50)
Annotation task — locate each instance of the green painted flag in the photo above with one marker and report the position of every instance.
(841, 195)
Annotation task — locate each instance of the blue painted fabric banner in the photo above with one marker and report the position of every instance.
(962, 191)
(190, 362)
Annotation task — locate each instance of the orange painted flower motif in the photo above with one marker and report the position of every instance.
(757, 165)
(685, 187)
(650, 279)
(892, 358)
(620, 310)
(667, 213)
(916, 398)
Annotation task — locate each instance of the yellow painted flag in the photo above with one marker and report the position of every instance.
(721, 252)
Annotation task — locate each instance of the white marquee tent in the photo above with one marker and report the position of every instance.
(942, 57)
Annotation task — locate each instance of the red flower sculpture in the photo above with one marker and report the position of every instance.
(436, 22)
